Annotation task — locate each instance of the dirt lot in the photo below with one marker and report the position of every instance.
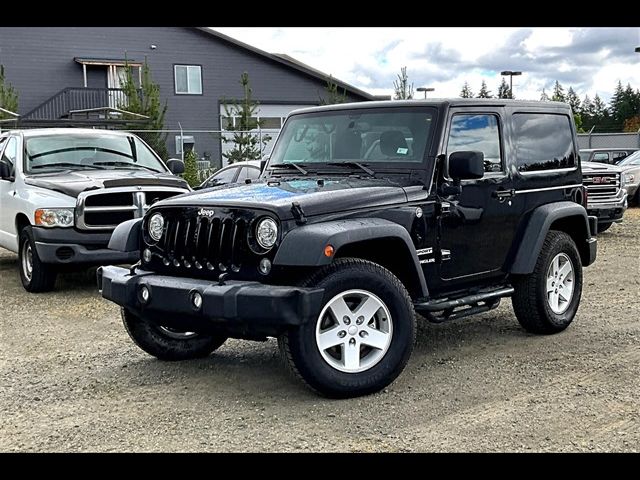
(71, 380)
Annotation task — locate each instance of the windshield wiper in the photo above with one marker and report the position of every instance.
(64, 165)
(354, 164)
(127, 164)
(289, 165)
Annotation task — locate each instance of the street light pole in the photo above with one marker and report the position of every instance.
(425, 90)
(511, 74)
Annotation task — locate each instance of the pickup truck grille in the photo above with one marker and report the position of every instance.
(602, 187)
(209, 245)
(104, 209)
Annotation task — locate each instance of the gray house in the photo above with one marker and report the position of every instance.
(58, 70)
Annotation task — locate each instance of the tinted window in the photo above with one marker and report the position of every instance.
(248, 172)
(222, 177)
(10, 153)
(619, 155)
(479, 133)
(601, 157)
(543, 142)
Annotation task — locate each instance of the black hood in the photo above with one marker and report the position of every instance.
(72, 183)
(315, 198)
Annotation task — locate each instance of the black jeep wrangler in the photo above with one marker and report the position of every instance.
(364, 215)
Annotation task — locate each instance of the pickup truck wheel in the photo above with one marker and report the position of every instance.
(603, 227)
(546, 301)
(363, 336)
(36, 276)
(167, 343)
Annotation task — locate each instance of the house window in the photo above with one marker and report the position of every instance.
(188, 79)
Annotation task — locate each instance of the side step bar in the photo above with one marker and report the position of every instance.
(464, 306)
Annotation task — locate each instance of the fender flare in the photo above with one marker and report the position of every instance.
(126, 236)
(536, 231)
(304, 246)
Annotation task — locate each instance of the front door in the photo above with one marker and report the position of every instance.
(477, 225)
(8, 156)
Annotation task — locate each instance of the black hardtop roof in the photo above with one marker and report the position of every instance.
(438, 103)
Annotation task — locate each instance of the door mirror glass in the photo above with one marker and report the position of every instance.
(175, 166)
(466, 165)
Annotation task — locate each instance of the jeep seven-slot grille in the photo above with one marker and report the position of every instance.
(602, 187)
(215, 244)
(104, 209)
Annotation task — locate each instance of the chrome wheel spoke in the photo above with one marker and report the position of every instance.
(550, 284)
(351, 354)
(368, 308)
(375, 338)
(565, 269)
(340, 309)
(330, 338)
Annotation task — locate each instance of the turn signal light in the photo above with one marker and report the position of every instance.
(329, 251)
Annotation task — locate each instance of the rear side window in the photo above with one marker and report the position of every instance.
(543, 142)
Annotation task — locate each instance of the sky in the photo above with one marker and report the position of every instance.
(591, 60)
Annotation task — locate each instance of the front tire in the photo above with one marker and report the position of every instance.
(546, 300)
(363, 337)
(36, 276)
(168, 344)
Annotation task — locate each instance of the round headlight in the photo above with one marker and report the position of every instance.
(267, 233)
(156, 224)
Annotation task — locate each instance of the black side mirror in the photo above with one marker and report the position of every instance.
(263, 162)
(175, 166)
(466, 165)
(5, 171)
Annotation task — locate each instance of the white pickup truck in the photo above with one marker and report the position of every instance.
(63, 191)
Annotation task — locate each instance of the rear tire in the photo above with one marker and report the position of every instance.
(540, 298)
(603, 227)
(36, 276)
(167, 344)
(350, 350)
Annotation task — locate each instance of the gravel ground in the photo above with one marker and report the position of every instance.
(71, 380)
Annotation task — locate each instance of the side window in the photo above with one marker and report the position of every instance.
(478, 132)
(602, 157)
(544, 141)
(248, 172)
(225, 176)
(619, 155)
(10, 153)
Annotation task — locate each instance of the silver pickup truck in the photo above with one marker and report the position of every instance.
(606, 193)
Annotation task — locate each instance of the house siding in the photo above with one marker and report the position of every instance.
(39, 62)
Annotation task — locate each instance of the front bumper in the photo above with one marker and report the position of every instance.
(235, 305)
(611, 211)
(69, 246)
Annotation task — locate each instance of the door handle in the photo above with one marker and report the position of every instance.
(502, 195)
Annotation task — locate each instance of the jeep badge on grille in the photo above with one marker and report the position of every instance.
(205, 212)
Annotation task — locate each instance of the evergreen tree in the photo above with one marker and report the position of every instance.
(601, 117)
(586, 109)
(145, 101)
(558, 93)
(8, 96)
(403, 90)
(544, 97)
(573, 100)
(191, 168)
(484, 91)
(247, 145)
(466, 91)
(332, 94)
(503, 90)
(617, 104)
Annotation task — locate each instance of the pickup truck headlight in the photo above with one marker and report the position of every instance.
(54, 217)
(267, 233)
(628, 178)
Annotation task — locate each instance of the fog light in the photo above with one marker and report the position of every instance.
(265, 266)
(196, 300)
(146, 255)
(418, 212)
(145, 294)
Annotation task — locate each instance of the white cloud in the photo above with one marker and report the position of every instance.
(443, 58)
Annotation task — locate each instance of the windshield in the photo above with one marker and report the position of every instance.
(389, 136)
(633, 159)
(102, 151)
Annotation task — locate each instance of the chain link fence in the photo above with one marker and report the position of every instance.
(609, 140)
